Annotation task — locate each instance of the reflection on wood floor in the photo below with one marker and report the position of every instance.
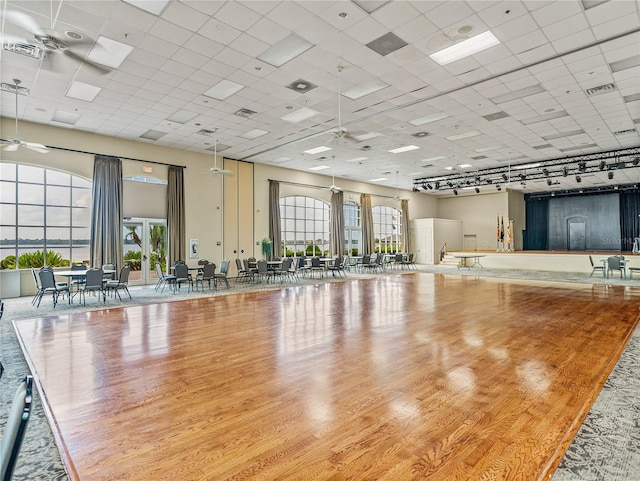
(408, 377)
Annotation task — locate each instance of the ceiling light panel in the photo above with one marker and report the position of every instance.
(518, 94)
(463, 49)
(285, 50)
(108, 52)
(300, 115)
(152, 6)
(320, 167)
(65, 117)
(362, 90)
(317, 150)
(406, 148)
(223, 89)
(465, 135)
(429, 118)
(181, 116)
(83, 91)
(254, 134)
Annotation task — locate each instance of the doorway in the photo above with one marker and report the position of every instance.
(469, 243)
(145, 243)
(577, 231)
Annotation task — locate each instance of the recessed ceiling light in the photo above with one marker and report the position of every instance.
(357, 159)
(317, 150)
(379, 179)
(464, 166)
(109, 52)
(285, 50)
(182, 116)
(360, 91)
(320, 167)
(471, 133)
(254, 134)
(365, 136)
(517, 94)
(223, 90)
(406, 148)
(429, 118)
(300, 115)
(431, 159)
(83, 91)
(463, 49)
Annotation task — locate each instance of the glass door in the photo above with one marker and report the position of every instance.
(145, 242)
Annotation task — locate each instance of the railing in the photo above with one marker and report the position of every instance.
(443, 251)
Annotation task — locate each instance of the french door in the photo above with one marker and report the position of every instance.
(145, 243)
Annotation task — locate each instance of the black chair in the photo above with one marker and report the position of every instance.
(181, 271)
(121, 284)
(594, 267)
(205, 274)
(163, 279)
(616, 263)
(336, 266)
(48, 285)
(94, 282)
(222, 274)
(15, 428)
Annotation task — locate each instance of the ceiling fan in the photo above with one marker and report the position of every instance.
(333, 187)
(397, 196)
(15, 143)
(341, 132)
(49, 40)
(215, 170)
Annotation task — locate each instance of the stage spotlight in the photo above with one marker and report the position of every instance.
(636, 161)
(455, 192)
(489, 181)
(477, 190)
(415, 189)
(582, 166)
(578, 179)
(602, 165)
(504, 177)
(424, 187)
(523, 177)
(565, 172)
(545, 172)
(429, 186)
(610, 175)
(498, 187)
(449, 184)
(549, 182)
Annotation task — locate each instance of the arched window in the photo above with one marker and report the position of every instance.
(352, 228)
(44, 214)
(305, 226)
(387, 229)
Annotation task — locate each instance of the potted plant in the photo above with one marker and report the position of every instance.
(267, 248)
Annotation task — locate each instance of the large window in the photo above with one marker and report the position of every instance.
(305, 226)
(44, 217)
(387, 229)
(352, 229)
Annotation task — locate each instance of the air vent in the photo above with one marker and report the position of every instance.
(600, 89)
(625, 132)
(420, 134)
(206, 132)
(12, 88)
(25, 49)
(246, 113)
(365, 147)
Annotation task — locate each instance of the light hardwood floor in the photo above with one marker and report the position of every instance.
(408, 377)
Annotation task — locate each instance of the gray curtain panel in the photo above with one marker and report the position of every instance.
(368, 240)
(176, 230)
(275, 229)
(106, 214)
(406, 240)
(336, 238)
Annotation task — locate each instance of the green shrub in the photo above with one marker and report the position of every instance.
(36, 259)
(8, 262)
(134, 260)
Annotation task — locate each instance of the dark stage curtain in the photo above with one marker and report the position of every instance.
(629, 220)
(536, 235)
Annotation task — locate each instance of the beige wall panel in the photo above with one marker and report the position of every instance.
(517, 213)
(246, 240)
(144, 200)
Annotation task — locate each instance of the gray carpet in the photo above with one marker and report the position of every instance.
(606, 448)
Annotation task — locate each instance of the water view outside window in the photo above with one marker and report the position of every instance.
(44, 217)
(352, 229)
(305, 226)
(387, 229)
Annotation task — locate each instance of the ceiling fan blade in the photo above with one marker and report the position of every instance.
(96, 66)
(11, 147)
(36, 147)
(24, 21)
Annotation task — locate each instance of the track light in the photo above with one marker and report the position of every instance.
(578, 179)
(477, 190)
(610, 175)
(565, 172)
(582, 166)
(602, 165)
(545, 172)
(415, 189)
(636, 161)
(498, 187)
(437, 184)
(424, 187)
(504, 177)
(455, 192)
(549, 182)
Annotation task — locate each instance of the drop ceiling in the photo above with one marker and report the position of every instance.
(273, 79)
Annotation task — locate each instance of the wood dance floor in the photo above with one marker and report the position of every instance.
(400, 377)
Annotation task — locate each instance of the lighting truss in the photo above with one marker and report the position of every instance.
(544, 169)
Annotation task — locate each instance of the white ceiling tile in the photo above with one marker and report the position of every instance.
(184, 16)
(219, 32)
(395, 14)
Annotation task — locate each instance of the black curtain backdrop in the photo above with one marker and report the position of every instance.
(629, 220)
(536, 235)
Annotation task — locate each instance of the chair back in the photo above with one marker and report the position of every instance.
(47, 280)
(108, 267)
(399, 258)
(591, 260)
(94, 278)
(614, 263)
(245, 262)
(181, 271)
(159, 272)
(337, 262)
(251, 259)
(262, 266)
(286, 264)
(78, 267)
(1, 308)
(366, 259)
(15, 428)
(224, 267)
(301, 261)
(208, 270)
(239, 265)
(124, 275)
(35, 278)
(315, 262)
(203, 262)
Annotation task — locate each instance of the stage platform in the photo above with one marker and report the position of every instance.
(554, 261)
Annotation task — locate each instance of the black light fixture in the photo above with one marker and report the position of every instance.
(545, 171)
(578, 179)
(565, 172)
(477, 190)
(602, 165)
(610, 174)
(424, 187)
(636, 161)
(582, 166)
(498, 187)
(437, 184)
(549, 182)
(504, 177)
(455, 192)
(415, 189)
